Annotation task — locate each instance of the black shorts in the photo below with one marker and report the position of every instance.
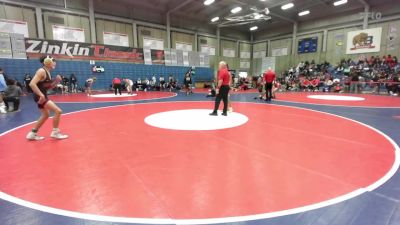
(36, 99)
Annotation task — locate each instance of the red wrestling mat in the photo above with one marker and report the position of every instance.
(369, 100)
(109, 97)
(114, 164)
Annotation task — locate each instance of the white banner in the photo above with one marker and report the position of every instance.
(117, 39)
(364, 41)
(267, 62)
(279, 52)
(14, 27)
(174, 61)
(183, 46)
(167, 57)
(245, 55)
(207, 49)
(392, 37)
(71, 34)
(18, 46)
(228, 52)
(147, 56)
(152, 43)
(5, 46)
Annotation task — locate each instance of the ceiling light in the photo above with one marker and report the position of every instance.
(253, 28)
(305, 12)
(341, 2)
(236, 9)
(287, 6)
(263, 0)
(215, 19)
(209, 2)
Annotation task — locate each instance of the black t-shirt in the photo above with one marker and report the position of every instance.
(27, 80)
(355, 78)
(73, 80)
(188, 80)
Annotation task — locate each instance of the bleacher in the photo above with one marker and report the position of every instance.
(17, 68)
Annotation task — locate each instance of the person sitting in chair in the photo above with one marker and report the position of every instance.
(12, 94)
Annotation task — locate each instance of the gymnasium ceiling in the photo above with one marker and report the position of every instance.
(194, 15)
(195, 10)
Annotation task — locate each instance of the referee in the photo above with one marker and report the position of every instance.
(269, 78)
(222, 91)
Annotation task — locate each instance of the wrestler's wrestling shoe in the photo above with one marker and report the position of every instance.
(33, 137)
(57, 135)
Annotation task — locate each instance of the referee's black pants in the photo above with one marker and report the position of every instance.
(117, 89)
(268, 90)
(223, 95)
(14, 100)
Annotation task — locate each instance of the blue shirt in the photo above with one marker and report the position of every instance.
(3, 84)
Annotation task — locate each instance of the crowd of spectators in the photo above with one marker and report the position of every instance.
(367, 75)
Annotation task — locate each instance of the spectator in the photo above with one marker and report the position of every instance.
(12, 94)
(73, 82)
(162, 82)
(3, 86)
(172, 83)
(336, 86)
(375, 85)
(146, 84)
(187, 81)
(63, 85)
(304, 84)
(27, 81)
(354, 82)
(328, 85)
(315, 84)
(153, 82)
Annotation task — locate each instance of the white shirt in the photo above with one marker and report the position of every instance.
(128, 81)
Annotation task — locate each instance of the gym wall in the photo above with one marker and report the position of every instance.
(17, 68)
(52, 18)
(183, 38)
(115, 27)
(21, 14)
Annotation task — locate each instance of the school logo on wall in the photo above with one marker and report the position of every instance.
(364, 41)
